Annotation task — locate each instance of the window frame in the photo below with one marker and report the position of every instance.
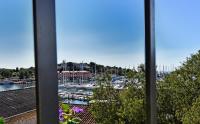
(46, 61)
(150, 62)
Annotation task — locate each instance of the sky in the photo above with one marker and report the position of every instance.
(108, 32)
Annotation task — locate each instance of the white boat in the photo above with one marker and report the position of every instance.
(6, 82)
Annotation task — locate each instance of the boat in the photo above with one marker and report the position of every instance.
(6, 82)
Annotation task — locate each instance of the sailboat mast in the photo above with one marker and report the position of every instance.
(82, 72)
(95, 71)
(73, 72)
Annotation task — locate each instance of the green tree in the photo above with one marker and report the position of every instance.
(22, 74)
(114, 106)
(130, 74)
(193, 115)
(178, 97)
(106, 105)
(6, 73)
(17, 69)
(131, 110)
(179, 90)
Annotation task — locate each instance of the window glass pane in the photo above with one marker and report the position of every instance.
(177, 38)
(17, 79)
(101, 60)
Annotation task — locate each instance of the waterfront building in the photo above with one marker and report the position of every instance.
(74, 76)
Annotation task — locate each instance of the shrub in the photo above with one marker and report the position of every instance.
(1, 120)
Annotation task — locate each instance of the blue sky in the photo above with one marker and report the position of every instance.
(109, 32)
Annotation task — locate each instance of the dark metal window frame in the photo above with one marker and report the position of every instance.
(46, 61)
(150, 62)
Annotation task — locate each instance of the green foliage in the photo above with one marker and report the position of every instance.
(101, 69)
(2, 120)
(25, 73)
(6, 73)
(179, 91)
(65, 108)
(106, 105)
(132, 110)
(76, 120)
(114, 106)
(193, 115)
(118, 107)
(178, 97)
(20, 73)
(130, 74)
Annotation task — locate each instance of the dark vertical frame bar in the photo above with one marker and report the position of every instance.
(45, 61)
(150, 63)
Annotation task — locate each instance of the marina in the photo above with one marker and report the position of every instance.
(69, 92)
(75, 94)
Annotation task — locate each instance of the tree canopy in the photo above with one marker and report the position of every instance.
(178, 97)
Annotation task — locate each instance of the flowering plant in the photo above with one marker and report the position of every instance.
(66, 115)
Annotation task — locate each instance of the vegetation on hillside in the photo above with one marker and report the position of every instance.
(92, 67)
(21, 73)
